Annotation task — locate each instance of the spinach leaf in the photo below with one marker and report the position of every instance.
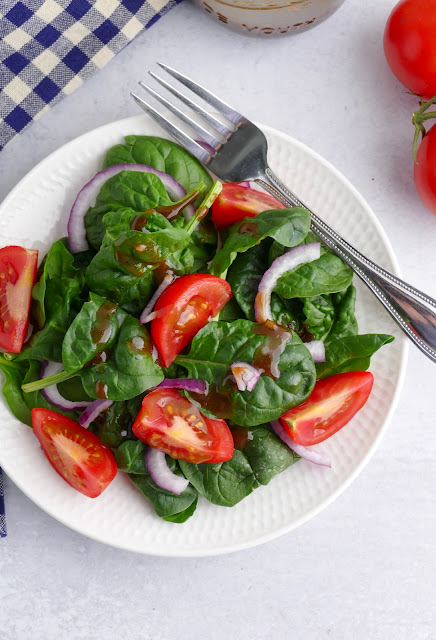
(55, 297)
(215, 347)
(57, 265)
(201, 249)
(231, 311)
(95, 229)
(73, 390)
(181, 517)
(227, 483)
(328, 274)
(111, 350)
(130, 457)
(135, 189)
(163, 155)
(351, 353)
(14, 373)
(166, 504)
(113, 425)
(130, 369)
(108, 278)
(287, 226)
(83, 258)
(276, 249)
(345, 323)
(122, 271)
(245, 274)
(316, 315)
(176, 508)
(118, 221)
(288, 313)
(319, 314)
(132, 189)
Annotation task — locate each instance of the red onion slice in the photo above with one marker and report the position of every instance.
(169, 278)
(287, 262)
(246, 375)
(86, 198)
(303, 452)
(161, 474)
(188, 384)
(92, 411)
(52, 395)
(317, 350)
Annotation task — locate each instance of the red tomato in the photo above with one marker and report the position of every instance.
(410, 45)
(183, 309)
(171, 423)
(332, 403)
(235, 203)
(17, 277)
(74, 452)
(425, 170)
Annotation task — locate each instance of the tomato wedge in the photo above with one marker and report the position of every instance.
(331, 405)
(236, 202)
(17, 276)
(183, 309)
(74, 452)
(171, 423)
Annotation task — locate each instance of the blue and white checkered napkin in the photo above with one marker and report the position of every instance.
(3, 531)
(49, 47)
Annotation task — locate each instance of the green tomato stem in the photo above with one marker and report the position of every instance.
(47, 382)
(420, 116)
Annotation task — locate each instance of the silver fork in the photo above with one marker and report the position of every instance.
(237, 151)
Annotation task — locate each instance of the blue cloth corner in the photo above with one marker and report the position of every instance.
(49, 47)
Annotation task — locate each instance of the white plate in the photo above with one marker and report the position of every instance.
(35, 214)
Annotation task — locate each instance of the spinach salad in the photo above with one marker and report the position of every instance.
(199, 332)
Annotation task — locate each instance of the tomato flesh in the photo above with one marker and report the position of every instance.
(171, 423)
(74, 452)
(331, 405)
(236, 202)
(183, 309)
(18, 268)
(425, 170)
(410, 45)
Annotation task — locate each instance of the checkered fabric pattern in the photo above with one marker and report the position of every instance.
(49, 47)
(2, 509)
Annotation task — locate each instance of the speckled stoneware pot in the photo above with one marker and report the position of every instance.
(269, 18)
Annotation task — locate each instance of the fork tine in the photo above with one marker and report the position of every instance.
(207, 137)
(225, 109)
(193, 147)
(214, 122)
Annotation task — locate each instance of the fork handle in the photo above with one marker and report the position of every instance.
(412, 310)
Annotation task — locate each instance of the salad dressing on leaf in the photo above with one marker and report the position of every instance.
(140, 222)
(130, 263)
(101, 389)
(99, 358)
(102, 330)
(173, 210)
(241, 437)
(267, 356)
(249, 227)
(139, 345)
(217, 402)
